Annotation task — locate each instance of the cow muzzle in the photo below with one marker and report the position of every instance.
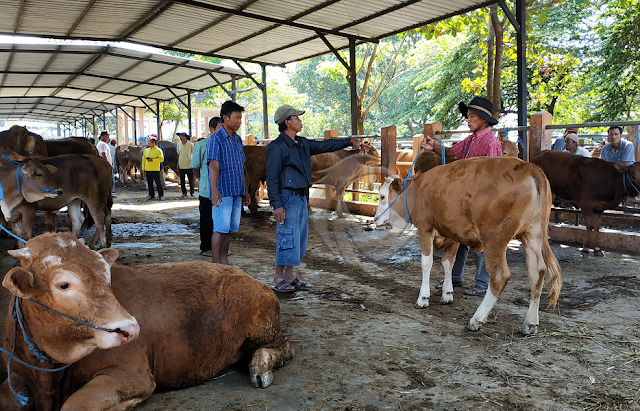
(123, 332)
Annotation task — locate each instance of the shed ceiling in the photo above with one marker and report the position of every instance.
(263, 31)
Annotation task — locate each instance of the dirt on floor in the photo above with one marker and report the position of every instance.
(361, 344)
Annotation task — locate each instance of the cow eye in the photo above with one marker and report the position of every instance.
(38, 175)
(64, 286)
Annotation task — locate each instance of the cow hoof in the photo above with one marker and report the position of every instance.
(263, 380)
(446, 298)
(473, 325)
(598, 253)
(529, 329)
(585, 253)
(422, 302)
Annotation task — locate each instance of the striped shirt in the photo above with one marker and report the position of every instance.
(229, 153)
(199, 162)
(480, 144)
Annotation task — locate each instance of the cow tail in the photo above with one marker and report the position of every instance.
(553, 275)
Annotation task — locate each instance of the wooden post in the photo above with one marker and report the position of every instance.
(126, 129)
(631, 136)
(388, 153)
(251, 140)
(539, 136)
(430, 130)
(329, 194)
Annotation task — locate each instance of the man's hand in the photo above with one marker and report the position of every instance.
(427, 143)
(360, 145)
(150, 159)
(278, 213)
(247, 199)
(215, 197)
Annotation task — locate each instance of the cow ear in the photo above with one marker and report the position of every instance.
(51, 168)
(621, 167)
(397, 186)
(110, 255)
(19, 281)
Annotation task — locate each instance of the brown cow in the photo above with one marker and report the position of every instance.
(345, 173)
(593, 184)
(128, 157)
(83, 179)
(483, 202)
(191, 320)
(70, 145)
(255, 171)
(509, 148)
(18, 140)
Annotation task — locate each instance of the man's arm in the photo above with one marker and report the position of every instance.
(195, 160)
(274, 169)
(430, 144)
(629, 154)
(214, 175)
(327, 146)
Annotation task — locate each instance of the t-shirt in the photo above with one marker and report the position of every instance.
(625, 153)
(581, 151)
(104, 151)
(184, 154)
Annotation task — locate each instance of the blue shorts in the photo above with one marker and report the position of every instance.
(292, 235)
(226, 217)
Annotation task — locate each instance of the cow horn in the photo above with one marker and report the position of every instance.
(20, 253)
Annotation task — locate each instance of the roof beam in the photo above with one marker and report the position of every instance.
(509, 15)
(146, 18)
(199, 4)
(79, 19)
(8, 65)
(220, 85)
(334, 51)
(248, 74)
(18, 16)
(82, 69)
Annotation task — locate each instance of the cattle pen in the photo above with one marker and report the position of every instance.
(361, 344)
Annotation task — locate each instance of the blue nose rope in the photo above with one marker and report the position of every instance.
(625, 177)
(19, 174)
(18, 320)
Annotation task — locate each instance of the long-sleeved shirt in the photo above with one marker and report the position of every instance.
(155, 154)
(289, 163)
(480, 144)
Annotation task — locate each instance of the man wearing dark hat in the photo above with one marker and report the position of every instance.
(288, 178)
(481, 143)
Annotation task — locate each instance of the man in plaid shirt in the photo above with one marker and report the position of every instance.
(225, 157)
(481, 143)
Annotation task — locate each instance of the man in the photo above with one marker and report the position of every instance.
(288, 178)
(481, 143)
(225, 157)
(558, 143)
(151, 159)
(571, 143)
(201, 172)
(185, 150)
(618, 150)
(104, 151)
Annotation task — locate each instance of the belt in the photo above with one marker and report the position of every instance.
(296, 191)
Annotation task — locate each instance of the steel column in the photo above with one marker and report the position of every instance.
(265, 111)
(233, 88)
(189, 114)
(521, 43)
(135, 128)
(159, 123)
(352, 86)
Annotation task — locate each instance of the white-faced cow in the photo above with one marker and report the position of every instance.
(594, 185)
(483, 202)
(164, 326)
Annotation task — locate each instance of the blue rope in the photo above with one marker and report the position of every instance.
(19, 174)
(11, 234)
(73, 318)
(630, 182)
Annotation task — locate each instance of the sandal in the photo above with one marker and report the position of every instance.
(477, 291)
(283, 287)
(297, 284)
(206, 253)
(441, 284)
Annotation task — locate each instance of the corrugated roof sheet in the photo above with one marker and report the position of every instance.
(262, 31)
(103, 76)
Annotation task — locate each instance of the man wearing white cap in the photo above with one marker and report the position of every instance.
(288, 178)
(571, 145)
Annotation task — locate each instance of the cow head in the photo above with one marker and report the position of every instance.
(40, 183)
(20, 141)
(60, 272)
(391, 197)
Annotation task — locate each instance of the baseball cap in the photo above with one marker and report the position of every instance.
(285, 112)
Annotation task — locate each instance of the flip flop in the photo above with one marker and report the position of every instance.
(441, 284)
(297, 284)
(283, 287)
(205, 253)
(477, 291)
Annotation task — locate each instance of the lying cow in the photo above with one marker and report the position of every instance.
(70, 145)
(167, 326)
(483, 202)
(83, 179)
(594, 185)
(342, 176)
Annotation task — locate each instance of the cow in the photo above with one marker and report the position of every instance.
(341, 176)
(34, 182)
(83, 178)
(70, 145)
(170, 156)
(509, 148)
(165, 326)
(255, 171)
(593, 184)
(483, 202)
(20, 141)
(128, 157)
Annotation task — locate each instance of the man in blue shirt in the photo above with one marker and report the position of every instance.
(618, 150)
(201, 172)
(225, 157)
(288, 178)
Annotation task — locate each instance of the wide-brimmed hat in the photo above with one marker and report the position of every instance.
(482, 107)
(284, 112)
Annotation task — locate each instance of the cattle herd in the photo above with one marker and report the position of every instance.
(86, 333)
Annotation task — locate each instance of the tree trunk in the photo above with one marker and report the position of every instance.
(498, 28)
(490, 57)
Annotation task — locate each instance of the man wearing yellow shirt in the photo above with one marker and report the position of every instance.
(151, 159)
